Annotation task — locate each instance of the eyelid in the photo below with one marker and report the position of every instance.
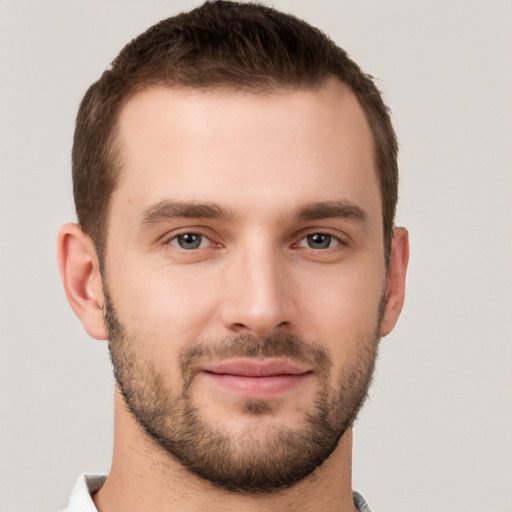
(194, 230)
(341, 238)
(174, 241)
(333, 242)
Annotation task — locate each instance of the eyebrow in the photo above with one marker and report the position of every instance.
(166, 209)
(331, 209)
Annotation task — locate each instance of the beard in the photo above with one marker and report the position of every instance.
(255, 459)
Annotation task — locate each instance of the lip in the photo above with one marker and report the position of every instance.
(257, 379)
(256, 368)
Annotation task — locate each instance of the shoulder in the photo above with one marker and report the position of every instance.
(360, 502)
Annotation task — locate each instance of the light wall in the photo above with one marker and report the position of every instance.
(437, 432)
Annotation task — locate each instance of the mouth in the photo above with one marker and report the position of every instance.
(257, 379)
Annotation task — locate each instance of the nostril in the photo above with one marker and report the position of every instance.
(258, 330)
(239, 327)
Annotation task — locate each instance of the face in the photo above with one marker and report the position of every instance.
(244, 277)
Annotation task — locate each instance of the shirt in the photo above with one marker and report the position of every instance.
(87, 485)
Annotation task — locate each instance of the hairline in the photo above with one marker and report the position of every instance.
(116, 151)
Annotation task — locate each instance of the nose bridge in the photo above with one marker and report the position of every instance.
(257, 297)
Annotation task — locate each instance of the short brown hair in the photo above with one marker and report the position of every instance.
(220, 44)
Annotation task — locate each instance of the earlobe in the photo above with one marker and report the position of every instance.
(81, 277)
(395, 290)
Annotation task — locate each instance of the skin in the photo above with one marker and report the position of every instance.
(254, 273)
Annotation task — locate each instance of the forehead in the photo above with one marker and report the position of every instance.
(285, 146)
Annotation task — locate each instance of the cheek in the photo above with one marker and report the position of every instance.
(163, 302)
(342, 308)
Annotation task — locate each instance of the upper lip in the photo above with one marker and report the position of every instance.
(256, 368)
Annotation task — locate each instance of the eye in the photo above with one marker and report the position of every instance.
(189, 241)
(319, 241)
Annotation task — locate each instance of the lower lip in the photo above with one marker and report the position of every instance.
(258, 387)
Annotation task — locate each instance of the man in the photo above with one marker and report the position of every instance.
(235, 180)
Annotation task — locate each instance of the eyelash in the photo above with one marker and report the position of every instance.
(201, 236)
(310, 236)
(307, 238)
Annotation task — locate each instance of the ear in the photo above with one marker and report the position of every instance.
(395, 289)
(80, 273)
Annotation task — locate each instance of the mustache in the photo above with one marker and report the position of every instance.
(277, 345)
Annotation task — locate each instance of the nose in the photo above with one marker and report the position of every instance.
(258, 298)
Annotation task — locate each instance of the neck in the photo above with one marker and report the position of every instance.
(143, 477)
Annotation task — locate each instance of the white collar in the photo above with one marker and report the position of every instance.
(85, 487)
(88, 484)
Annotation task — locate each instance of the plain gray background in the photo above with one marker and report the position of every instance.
(436, 434)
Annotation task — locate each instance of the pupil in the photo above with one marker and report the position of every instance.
(319, 241)
(189, 241)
